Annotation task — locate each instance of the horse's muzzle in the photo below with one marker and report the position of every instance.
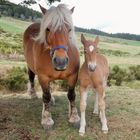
(60, 63)
(92, 67)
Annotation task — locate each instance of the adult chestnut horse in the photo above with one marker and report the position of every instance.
(51, 53)
(93, 74)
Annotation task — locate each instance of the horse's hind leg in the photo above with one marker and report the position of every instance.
(73, 114)
(31, 84)
(101, 101)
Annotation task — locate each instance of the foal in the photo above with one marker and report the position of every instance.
(93, 74)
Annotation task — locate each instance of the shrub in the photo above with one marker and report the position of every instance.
(16, 79)
(116, 76)
(60, 85)
(133, 73)
(114, 52)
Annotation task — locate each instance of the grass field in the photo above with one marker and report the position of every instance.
(20, 116)
(13, 25)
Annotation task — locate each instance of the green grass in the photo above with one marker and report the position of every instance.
(20, 117)
(13, 25)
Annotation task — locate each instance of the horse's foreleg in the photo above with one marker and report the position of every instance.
(101, 101)
(96, 110)
(73, 114)
(46, 121)
(83, 104)
(31, 84)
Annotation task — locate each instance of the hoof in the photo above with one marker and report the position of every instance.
(32, 93)
(105, 131)
(75, 124)
(47, 127)
(82, 132)
(95, 114)
(74, 119)
(52, 100)
(33, 96)
(47, 123)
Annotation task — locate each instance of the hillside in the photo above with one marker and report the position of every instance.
(117, 35)
(118, 51)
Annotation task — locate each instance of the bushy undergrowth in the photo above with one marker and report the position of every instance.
(119, 75)
(114, 52)
(10, 43)
(16, 79)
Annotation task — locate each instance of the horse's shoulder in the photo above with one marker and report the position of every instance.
(83, 69)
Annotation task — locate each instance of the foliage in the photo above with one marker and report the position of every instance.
(15, 80)
(10, 43)
(117, 76)
(114, 52)
(133, 73)
(18, 11)
(60, 85)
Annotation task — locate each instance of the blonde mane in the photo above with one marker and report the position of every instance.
(54, 19)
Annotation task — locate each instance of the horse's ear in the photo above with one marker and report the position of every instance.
(83, 39)
(96, 41)
(43, 9)
(72, 9)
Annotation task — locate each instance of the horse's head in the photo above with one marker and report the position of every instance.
(90, 49)
(58, 26)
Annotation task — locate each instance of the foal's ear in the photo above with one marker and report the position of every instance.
(44, 10)
(96, 41)
(72, 9)
(83, 39)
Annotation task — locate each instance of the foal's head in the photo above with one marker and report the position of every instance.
(57, 31)
(90, 50)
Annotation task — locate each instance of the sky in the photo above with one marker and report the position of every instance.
(112, 16)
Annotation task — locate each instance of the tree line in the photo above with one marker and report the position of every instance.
(18, 11)
(117, 35)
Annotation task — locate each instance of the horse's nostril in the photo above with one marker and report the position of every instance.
(60, 61)
(66, 60)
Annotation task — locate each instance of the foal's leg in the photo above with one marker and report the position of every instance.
(83, 104)
(46, 121)
(101, 101)
(73, 114)
(31, 84)
(96, 110)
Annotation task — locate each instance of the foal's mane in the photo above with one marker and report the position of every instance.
(54, 19)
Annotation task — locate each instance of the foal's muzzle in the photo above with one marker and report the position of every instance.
(60, 63)
(92, 67)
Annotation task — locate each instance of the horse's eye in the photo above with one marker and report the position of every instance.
(69, 30)
(48, 29)
(85, 51)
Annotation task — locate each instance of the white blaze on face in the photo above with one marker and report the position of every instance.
(91, 48)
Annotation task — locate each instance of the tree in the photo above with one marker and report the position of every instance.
(27, 2)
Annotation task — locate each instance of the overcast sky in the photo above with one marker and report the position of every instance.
(111, 16)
